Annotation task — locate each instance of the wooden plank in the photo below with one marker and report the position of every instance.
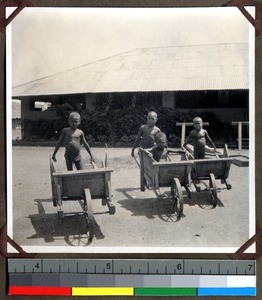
(239, 136)
(142, 174)
(53, 184)
(108, 184)
(171, 163)
(167, 173)
(239, 129)
(218, 167)
(190, 123)
(59, 191)
(74, 186)
(148, 169)
(183, 134)
(82, 172)
(236, 122)
(241, 161)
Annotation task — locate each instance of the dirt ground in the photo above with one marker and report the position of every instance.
(140, 220)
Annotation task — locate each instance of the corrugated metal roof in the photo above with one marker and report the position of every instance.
(181, 68)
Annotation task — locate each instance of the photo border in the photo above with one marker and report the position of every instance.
(258, 128)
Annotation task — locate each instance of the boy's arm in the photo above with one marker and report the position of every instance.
(211, 142)
(58, 145)
(87, 147)
(149, 151)
(138, 137)
(188, 139)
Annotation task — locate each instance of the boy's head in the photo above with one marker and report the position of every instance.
(151, 118)
(161, 140)
(198, 123)
(74, 120)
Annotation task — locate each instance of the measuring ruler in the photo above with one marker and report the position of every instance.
(132, 277)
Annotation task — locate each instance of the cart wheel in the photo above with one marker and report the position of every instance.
(177, 195)
(213, 189)
(89, 213)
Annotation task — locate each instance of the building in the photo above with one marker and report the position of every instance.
(213, 78)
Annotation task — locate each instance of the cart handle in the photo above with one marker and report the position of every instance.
(106, 155)
(138, 164)
(187, 152)
(94, 165)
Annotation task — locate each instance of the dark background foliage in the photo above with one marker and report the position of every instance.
(118, 126)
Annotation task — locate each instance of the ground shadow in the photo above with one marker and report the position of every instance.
(148, 207)
(164, 209)
(74, 229)
(202, 198)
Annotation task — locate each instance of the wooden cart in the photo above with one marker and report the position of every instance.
(83, 185)
(173, 174)
(211, 169)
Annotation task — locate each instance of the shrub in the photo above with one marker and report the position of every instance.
(115, 126)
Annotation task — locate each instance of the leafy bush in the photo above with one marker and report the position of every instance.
(119, 127)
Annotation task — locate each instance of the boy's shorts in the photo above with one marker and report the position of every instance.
(73, 159)
(199, 153)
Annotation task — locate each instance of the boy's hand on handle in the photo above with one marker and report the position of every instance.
(149, 154)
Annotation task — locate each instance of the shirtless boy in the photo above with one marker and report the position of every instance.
(198, 138)
(160, 152)
(146, 134)
(71, 137)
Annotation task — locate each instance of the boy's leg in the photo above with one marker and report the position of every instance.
(79, 165)
(202, 154)
(69, 164)
(199, 153)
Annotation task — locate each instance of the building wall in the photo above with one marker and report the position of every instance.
(224, 114)
(168, 99)
(90, 100)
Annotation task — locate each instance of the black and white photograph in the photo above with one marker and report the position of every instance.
(130, 130)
